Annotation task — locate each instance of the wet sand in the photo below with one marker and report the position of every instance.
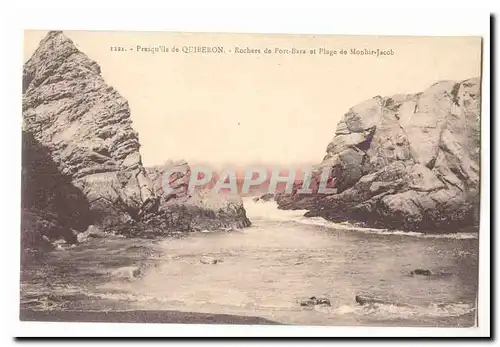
(140, 317)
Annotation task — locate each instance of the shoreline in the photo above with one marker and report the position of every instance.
(140, 316)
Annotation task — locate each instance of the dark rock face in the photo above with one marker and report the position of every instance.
(407, 162)
(82, 164)
(52, 207)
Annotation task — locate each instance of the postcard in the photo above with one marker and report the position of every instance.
(262, 179)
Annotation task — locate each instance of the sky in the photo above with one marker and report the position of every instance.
(250, 109)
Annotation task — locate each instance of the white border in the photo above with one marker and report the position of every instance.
(295, 19)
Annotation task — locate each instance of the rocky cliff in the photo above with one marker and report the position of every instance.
(85, 129)
(86, 125)
(407, 162)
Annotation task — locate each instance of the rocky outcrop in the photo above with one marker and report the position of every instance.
(92, 172)
(407, 162)
(187, 211)
(265, 197)
(86, 125)
(178, 180)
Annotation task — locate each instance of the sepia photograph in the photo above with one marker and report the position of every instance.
(250, 179)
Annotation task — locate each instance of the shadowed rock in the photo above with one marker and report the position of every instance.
(52, 208)
(421, 272)
(368, 300)
(365, 300)
(314, 301)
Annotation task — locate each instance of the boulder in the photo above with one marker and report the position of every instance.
(364, 300)
(127, 273)
(421, 272)
(91, 232)
(209, 260)
(314, 301)
(406, 162)
(367, 300)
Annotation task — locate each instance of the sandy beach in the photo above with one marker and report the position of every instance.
(139, 317)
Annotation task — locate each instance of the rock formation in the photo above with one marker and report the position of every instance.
(198, 210)
(407, 162)
(86, 125)
(85, 130)
(178, 180)
(264, 197)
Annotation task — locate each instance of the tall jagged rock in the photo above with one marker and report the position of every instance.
(86, 126)
(406, 161)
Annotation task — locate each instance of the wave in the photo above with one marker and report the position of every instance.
(391, 311)
(378, 311)
(269, 211)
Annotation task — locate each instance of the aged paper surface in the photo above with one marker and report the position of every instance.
(250, 179)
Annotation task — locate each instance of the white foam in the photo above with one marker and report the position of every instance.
(380, 311)
(269, 211)
(389, 311)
